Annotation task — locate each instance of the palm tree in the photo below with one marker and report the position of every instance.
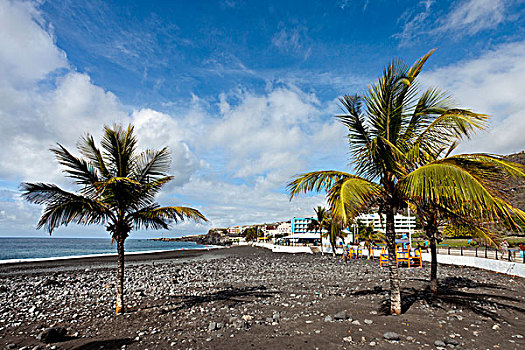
(466, 191)
(393, 129)
(369, 235)
(334, 227)
(118, 187)
(318, 224)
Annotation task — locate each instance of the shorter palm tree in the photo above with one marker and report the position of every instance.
(118, 187)
(318, 224)
(369, 235)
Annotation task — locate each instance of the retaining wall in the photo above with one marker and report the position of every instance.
(506, 267)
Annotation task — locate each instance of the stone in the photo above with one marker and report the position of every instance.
(341, 315)
(356, 323)
(53, 335)
(212, 326)
(328, 318)
(368, 321)
(391, 336)
(451, 341)
(440, 344)
(347, 339)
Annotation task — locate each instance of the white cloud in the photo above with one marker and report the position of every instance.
(490, 84)
(294, 40)
(473, 16)
(232, 164)
(464, 17)
(28, 52)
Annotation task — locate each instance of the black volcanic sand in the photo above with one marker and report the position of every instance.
(250, 298)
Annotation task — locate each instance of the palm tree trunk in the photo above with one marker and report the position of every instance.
(395, 290)
(433, 264)
(120, 275)
(321, 237)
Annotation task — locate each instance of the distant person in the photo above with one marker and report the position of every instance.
(504, 248)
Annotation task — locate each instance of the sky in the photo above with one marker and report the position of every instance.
(242, 92)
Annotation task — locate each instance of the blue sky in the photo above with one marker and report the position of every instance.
(243, 92)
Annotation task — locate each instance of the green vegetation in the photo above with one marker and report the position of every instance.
(118, 187)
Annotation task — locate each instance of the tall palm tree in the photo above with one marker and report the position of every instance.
(318, 224)
(118, 187)
(392, 129)
(466, 191)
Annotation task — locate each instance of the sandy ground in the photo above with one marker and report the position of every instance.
(250, 298)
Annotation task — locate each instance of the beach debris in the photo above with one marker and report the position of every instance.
(391, 336)
(341, 315)
(53, 335)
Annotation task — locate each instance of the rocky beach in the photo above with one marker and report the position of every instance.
(250, 298)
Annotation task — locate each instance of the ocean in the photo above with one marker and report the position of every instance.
(53, 247)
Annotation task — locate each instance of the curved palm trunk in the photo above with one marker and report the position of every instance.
(120, 275)
(395, 290)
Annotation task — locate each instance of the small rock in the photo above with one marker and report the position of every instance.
(451, 341)
(347, 339)
(368, 321)
(391, 336)
(328, 318)
(53, 335)
(212, 326)
(372, 343)
(356, 323)
(341, 315)
(519, 336)
(440, 344)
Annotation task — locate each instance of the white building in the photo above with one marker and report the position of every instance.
(403, 223)
(283, 229)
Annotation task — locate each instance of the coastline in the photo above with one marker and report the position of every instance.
(82, 262)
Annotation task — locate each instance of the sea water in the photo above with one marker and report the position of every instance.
(51, 247)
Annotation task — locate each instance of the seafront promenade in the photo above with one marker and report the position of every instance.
(484, 259)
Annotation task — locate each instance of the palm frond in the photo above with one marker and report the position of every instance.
(119, 149)
(451, 186)
(78, 169)
(89, 149)
(351, 195)
(315, 181)
(63, 207)
(151, 164)
(159, 217)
